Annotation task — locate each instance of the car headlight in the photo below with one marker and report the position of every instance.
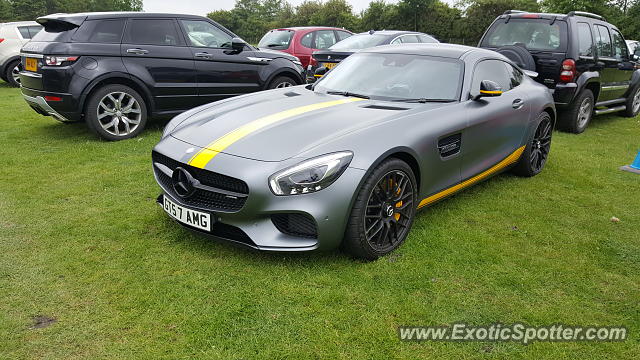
(310, 175)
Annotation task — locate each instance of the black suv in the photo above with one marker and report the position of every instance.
(113, 70)
(583, 60)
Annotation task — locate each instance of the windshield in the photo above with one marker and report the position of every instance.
(535, 34)
(276, 39)
(359, 41)
(396, 77)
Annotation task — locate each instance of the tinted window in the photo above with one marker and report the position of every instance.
(515, 76)
(100, 31)
(538, 34)
(33, 30)
(427, 39)
(586, 39)
(55, 31)
(204, 34)
(603, 41)
(620, 50)
(325, 39)
(276, 39)
(152, 32)
(343, 35)
(306, 40)
(397, 76)
(493, 70)
(24, 32)
(409, 39)
(359, 41)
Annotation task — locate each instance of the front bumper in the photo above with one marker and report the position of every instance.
(256, 223)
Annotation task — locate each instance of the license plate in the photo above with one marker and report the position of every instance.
(197, 219)
(329, 66)
(31, 64)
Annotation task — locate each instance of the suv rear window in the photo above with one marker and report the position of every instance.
(534, 34)
(55, 31)
(276, 39)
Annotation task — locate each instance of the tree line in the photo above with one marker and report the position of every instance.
(463, 23)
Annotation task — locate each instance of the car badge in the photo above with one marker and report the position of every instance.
(183, 183)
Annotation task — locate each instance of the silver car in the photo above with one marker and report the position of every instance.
(13, 36)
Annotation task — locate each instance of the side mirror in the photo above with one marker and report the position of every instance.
(320, 72)
(488, 88)
(238, 44)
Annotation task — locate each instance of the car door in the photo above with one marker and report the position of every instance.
(626, 67)
(222, 72)
(153, 50)
(495, 125)
(608, 65)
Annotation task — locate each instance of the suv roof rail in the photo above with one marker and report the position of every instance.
(586, 14)
(513, 12)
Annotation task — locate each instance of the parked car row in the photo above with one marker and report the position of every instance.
(13, 36)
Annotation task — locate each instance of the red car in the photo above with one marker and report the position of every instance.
(302, 41)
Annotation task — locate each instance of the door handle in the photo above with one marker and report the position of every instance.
(518, 103)
(137, 51)
(203, 55)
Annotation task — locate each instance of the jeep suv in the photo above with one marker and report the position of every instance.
(583, 59)
(113, 70)
(12, 37)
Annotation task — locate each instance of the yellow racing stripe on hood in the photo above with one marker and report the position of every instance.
(206, 154)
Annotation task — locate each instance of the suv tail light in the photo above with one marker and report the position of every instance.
(1, 40)
(59, 60)
(568, 73)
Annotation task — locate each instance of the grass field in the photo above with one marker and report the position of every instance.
(90, 266)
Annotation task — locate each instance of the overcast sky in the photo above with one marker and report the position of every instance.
(203, 7)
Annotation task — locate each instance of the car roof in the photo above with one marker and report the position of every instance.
(18, 23)
(389, 32)
(309, 28)
(78, 18)
(441, 50)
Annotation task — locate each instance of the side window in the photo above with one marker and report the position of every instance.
(342, 35)
(324, 39)
(153, 32)
(409, 39)
(515, 76)
(493, 70)
(585, 39)
(100, 31)
(603, 41)
(620, 50)
(24, 32)
(33, 30)
(427, 39)
(396, 41)
(204, 34)
(307, 39)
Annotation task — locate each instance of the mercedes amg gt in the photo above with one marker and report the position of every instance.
(349, 160)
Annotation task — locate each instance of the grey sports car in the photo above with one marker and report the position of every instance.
(349, 160)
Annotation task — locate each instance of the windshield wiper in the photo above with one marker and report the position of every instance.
(423, 100)
(273, 45)
(346, 93)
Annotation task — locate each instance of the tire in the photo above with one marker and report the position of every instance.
(536, 153)
(281, 82)
(396, 214)
(519, 55)
(580, 112)
(633, 103)
(125, 118)
(10, 74)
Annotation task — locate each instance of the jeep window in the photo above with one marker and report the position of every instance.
(100, 31)
(204, 34)
(534, 34)
(494, 70)
(603, 41)
(398, 77)
(153, 32)
(276, 39)
(359, 41)
(324, 39)
(585, 39)
(620, 50)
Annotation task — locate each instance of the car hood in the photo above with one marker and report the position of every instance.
(280, 124)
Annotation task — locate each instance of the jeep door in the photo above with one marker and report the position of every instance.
(614, 81)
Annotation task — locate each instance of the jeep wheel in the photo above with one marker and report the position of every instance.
(633, 103)
(577, 117)
(116, 112)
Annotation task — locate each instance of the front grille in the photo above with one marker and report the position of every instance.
(207, 200)
(300, 225)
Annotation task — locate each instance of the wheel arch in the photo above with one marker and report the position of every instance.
(283, 72)
(552, 113)
(121, 79)
(588, 80)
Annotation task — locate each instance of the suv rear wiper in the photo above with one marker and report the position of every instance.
(346, 93)
(423, 100)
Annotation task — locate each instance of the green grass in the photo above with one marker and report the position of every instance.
(83, 242)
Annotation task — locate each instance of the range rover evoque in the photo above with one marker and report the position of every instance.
(114, 70)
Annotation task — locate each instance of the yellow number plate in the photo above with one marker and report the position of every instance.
(329, 66)
(31, 64)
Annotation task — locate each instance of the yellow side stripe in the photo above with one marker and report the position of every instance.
(483, 175)
(206, 154)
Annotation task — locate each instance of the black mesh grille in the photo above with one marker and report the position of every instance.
(296, 225)
(202, 199)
